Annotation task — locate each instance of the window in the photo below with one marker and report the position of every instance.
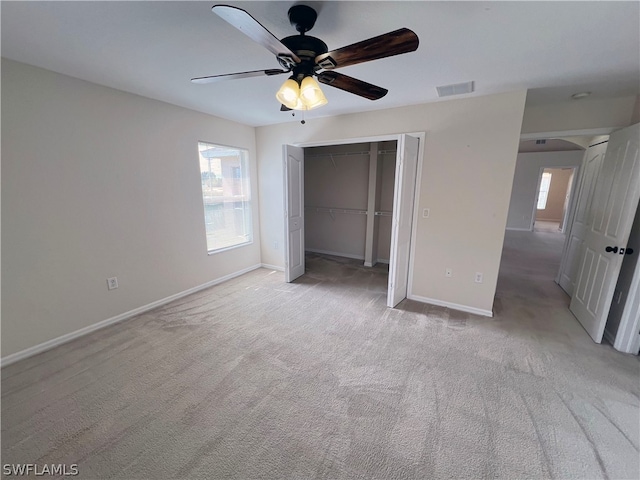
(543, 194)
(226, 195)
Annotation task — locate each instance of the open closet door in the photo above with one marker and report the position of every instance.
(294, 212)
(613, 208)
(571, 259)
(403, 199)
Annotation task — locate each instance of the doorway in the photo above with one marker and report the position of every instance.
(553, 199)
(370, 167)
(543, 195)
(599, 225)
(348, 200)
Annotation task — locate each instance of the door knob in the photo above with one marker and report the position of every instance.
(611, 249)
(629, 251)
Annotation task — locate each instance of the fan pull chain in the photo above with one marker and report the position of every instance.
(303, 121)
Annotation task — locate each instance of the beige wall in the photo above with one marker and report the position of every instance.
(556, 197)
(100, 183)
(469, 159)
(586, 114)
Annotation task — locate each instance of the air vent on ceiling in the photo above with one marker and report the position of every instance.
(455, 89)
(540, 142)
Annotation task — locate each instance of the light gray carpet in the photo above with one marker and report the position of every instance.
(256, 378)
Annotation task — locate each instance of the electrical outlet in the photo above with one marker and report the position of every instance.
(448, 272)
(478, 277)
(275, 245)
(425, 213)
(112, 283)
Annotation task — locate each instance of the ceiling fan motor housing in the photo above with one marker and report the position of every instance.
(307, 48)
(302, 18)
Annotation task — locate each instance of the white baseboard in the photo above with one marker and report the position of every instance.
(368, 264)
(335, 254)
(49, 344)
(272, 267)
(518, 229)
(454, 306)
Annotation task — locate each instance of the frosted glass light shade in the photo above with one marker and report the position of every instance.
(305, 96)
(310, 94)
(289, 94)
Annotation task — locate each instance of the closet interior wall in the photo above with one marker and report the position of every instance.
(348, 192)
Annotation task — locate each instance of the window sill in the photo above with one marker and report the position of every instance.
(232, 247)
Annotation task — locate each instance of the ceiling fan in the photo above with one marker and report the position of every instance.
(305, 57)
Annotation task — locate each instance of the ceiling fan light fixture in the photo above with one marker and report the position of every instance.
(289, 94)
(305, 96)
(311, 94)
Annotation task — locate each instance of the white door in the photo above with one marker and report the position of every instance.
(294, 212)
(575, 239)
(610, 218)
(403, 198)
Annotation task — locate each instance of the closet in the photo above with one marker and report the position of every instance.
(348, 200)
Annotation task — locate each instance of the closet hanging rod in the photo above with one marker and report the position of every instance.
(344, 154)
(384, 152)
(352, 211)
(383, 214)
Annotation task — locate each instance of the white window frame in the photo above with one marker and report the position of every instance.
(543, 191)
(226, 191)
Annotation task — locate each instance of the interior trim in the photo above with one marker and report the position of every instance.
(272, 267)
(453, 306)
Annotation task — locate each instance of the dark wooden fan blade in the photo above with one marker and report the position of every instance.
(386, 45)
(284, 108)
(352, 85)
(233, 76)
(254, 30)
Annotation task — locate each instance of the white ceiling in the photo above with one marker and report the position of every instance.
(153, 48)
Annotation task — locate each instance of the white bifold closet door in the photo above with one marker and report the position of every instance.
(403, 200)
(294, 212)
